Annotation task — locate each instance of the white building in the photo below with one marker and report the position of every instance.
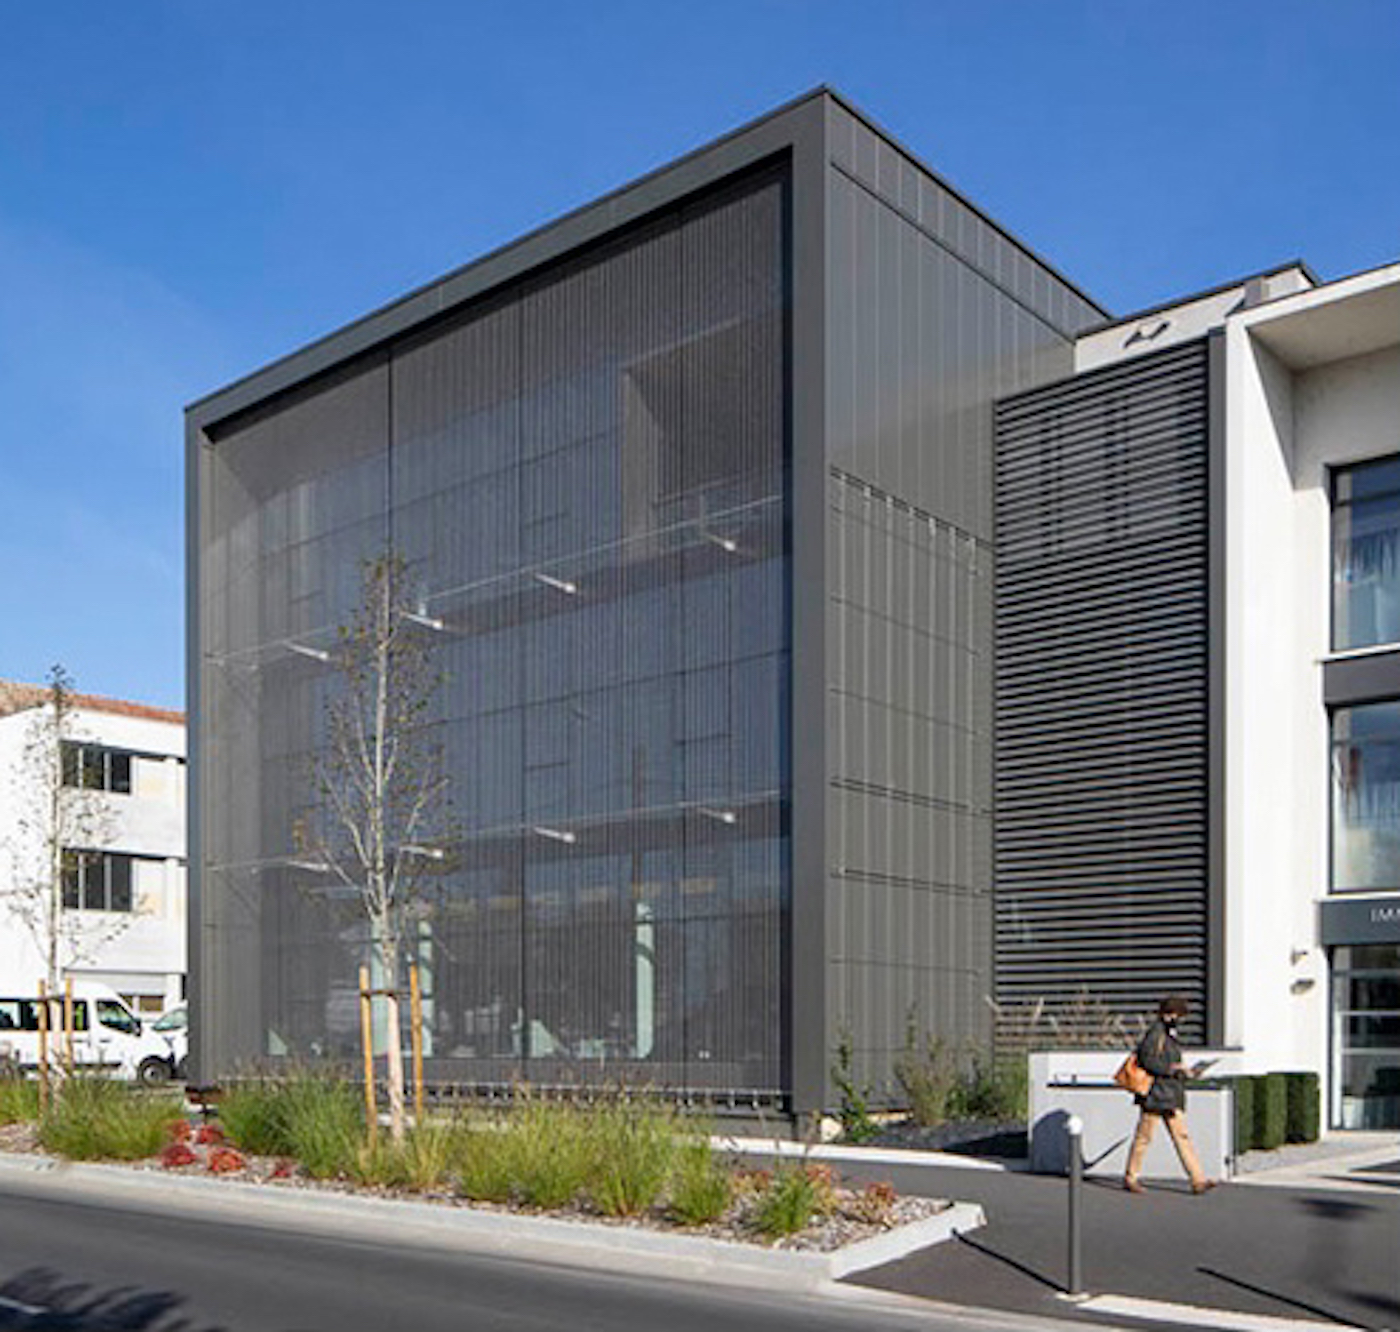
(1205, 522)
(124, 904)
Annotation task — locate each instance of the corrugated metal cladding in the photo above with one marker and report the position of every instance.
(1102, 688)
(586, 475)
(932, 313)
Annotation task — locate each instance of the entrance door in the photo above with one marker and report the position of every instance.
(1366, 1036)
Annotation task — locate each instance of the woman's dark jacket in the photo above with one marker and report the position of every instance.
(1158, 1052)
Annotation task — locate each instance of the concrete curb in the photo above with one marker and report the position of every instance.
(859, 1155)
(617, 1248)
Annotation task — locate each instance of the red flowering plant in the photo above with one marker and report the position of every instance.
(225, 1161)
(178, 1154)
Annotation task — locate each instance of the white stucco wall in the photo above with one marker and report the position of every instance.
(146, 950)
(1321, 396)
(1276, 729)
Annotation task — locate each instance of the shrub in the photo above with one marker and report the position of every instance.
(19, 1100)
(854, 1112)
(1244, 1113)
(484, 1164)
(997, 1086)
(632, 1147)
(377, 1162)
(95, 1119)
(253, 1115)
(701, 1185)
(788, 1204)
(427, 1156)
(1304, 1113)
(929, 1078)
(316, 1118)
(1270, 1111)
(551, 1154)
(874, 1204)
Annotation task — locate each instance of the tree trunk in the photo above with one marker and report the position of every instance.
(394, 1076)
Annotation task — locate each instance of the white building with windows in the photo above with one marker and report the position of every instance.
(1199, 677)
(123, 878)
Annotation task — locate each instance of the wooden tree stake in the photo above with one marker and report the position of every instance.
(68, 1024)
(415, 992)
(367, 1040)
(43, 1046)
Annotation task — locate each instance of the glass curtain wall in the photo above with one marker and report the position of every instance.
(1366, 797)
(587, 480)
(1366, 555)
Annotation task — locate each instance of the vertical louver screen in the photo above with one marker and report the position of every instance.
(1102, 675)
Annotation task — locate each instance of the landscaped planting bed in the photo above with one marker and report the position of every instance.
(624, 1161)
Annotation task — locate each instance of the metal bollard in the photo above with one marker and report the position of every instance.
(1074, 1127)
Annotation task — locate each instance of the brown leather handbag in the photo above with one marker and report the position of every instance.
(1132, 1077)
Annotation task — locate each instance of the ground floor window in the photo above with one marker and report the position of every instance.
(1366, 1036)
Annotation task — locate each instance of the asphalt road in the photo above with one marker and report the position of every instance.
(175, 1271)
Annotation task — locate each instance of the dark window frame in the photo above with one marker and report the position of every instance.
(106, 877)
(92, 767)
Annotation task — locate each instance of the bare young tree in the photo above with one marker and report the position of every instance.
(382, 812)
(58, 818)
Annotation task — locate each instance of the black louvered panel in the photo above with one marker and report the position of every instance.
(1101, 850)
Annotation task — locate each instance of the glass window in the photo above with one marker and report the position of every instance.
(97, 881)
(1366, 797)
(96, 768)
(115, 1017)
(1366, 1037)
(118, 883)
(72, 880)
(1365, 546)
(94, 883)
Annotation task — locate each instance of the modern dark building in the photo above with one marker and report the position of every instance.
(696, 484)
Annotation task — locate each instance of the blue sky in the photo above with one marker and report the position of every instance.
(190, 188)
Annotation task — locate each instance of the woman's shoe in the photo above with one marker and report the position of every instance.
(1204, 1185)
(1132, 1186)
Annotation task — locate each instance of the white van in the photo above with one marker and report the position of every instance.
(107, 1035)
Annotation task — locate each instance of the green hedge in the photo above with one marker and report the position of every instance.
(1270, 1111)
(1244, 1113)
(1303, 1115)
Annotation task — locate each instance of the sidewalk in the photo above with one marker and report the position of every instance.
(1310, 1240)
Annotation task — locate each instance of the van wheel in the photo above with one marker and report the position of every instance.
(153, 1071)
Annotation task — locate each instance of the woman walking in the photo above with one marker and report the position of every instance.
(1159, 1053)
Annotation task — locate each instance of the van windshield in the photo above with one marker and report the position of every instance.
(114, 1016)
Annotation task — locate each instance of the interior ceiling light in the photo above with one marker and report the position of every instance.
(424, 619)
(719, 815)
(558, 835)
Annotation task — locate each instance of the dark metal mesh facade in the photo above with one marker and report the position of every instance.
(587, 477)
(933, 314)
(1103, 688)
